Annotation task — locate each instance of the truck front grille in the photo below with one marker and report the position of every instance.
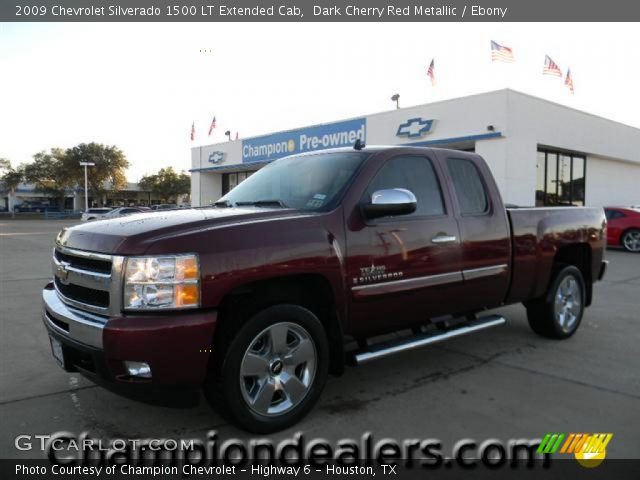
(87, 281)
(97, 298)
(85, 263)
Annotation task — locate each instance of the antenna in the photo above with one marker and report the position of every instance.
(359, 145)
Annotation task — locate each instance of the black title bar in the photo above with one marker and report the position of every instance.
(317, 11)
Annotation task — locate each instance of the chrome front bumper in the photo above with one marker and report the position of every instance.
(71, 323)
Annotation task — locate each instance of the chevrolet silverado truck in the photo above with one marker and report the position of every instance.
(309, 265)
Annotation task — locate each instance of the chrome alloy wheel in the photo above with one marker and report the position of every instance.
(278, 369)
(568, 303)
(631, 241)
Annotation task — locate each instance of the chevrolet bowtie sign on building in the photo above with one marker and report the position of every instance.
(414, 127)
(320, 137)
(216, 157)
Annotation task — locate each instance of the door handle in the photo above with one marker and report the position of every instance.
(444, 239)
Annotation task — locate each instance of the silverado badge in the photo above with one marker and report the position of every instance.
(373, 273)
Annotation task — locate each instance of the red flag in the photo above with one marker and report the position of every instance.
(213, 126)
(193, 131)
(568, 81)
(431, 72)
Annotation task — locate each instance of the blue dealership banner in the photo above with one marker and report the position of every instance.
(320, 137)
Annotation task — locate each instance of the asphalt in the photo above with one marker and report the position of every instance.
(504, 383)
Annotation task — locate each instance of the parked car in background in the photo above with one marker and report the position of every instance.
(623, 227)
(123, 211)
(164, 206)
(94, 214)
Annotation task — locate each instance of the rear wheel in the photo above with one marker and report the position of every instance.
(631, 240)
(273, 371)
(558, 314)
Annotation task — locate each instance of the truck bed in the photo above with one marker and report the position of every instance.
(541, 234)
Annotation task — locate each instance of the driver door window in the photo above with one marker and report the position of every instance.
(415, 174)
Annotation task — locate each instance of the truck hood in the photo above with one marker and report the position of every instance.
(133, 234)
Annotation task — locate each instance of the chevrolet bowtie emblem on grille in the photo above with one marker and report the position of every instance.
(61, 271)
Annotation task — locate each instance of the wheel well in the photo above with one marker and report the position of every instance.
(580, 257)
(310, 291)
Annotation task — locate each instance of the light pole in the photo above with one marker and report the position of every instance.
(396, 98)
(86, 188)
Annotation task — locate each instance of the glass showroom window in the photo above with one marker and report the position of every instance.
(560, 179)
(232, 180)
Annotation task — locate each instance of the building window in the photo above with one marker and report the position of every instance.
(560, 179)
(232, 180)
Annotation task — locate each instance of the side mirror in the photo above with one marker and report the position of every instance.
(390, 202)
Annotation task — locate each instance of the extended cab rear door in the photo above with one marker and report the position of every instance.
(404, 269)
(485, 238)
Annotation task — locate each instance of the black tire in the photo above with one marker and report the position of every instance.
(230, 390)
(630, 240)
(558, 313)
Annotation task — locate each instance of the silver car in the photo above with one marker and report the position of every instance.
(94, 214)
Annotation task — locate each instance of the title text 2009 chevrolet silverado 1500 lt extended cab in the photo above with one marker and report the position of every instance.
(255, 297)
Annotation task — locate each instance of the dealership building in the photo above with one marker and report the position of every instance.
(541, 153)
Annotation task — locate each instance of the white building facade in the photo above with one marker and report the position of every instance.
(540, 153)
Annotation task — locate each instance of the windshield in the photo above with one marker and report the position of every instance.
(309, 182)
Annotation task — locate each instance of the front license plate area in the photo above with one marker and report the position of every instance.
(57, 351)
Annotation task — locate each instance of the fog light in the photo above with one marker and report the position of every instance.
(138, 369)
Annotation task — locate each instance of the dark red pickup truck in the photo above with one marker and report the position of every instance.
(302, 267)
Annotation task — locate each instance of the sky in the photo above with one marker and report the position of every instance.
(140, 86)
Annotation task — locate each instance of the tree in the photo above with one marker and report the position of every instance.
(108, 172)
(50, 174)
(10, 177)
(5, 165)
(167, 183)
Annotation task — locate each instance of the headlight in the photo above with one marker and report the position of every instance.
(169, 281)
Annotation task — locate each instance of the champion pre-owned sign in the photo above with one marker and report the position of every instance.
(320, 137)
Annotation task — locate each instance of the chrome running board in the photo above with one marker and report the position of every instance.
(412, 342)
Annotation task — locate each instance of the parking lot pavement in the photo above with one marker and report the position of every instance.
(504, 383)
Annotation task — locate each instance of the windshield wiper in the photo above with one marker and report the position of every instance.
(264, 203)
(223, 204)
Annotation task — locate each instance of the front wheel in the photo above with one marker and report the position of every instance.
(273, 371)
(631, 240)
(558, 314)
